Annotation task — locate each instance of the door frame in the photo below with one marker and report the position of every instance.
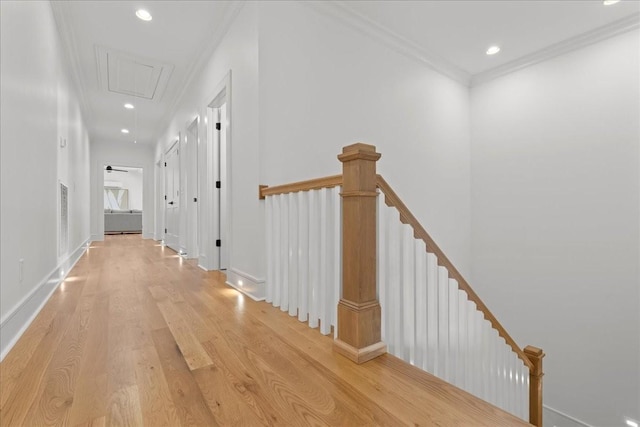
(221, 95)
(174, 145)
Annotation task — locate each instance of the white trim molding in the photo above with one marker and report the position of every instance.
(18, 319)
(355, 20)
(615, 28)
(553, 417)
(246, 283)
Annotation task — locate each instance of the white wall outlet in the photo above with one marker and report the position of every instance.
(20, 269)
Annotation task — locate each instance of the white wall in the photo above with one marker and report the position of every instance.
(238, 53)
(131, 180)
(324, 86)
(555, 203)
(39, 108)
(123, 154)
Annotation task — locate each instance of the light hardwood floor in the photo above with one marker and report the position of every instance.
(138, 336)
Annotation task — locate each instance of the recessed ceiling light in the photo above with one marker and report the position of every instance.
(129, 106)
(135, 142)
(124, 130)
(144, 15)
(631, 423)
(609, 2)
(493, 50)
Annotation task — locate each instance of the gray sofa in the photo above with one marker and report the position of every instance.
(122, 221)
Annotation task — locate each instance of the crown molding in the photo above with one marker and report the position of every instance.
(355, 20)
(70, 48)
(615, 28)
(231, 12)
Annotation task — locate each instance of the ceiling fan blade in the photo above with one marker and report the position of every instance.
(110, 169)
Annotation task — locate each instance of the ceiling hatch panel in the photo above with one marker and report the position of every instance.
(123, 73)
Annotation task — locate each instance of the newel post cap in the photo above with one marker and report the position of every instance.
(359, 151)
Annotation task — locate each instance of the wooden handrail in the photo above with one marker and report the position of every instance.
(406, 217)
(311, 184)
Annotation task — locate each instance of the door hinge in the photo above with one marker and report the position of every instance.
(165, 164)
(218, 243)
(218, 184)
(165, 197)
(195, 199)
(165, 230)
(218, 126)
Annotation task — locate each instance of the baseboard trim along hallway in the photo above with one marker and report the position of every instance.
(246, 283)
(20, 317)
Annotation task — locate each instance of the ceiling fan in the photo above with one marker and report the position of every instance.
(109, 169)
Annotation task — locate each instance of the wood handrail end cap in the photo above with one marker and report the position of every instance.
(534, 351)
(359, 151)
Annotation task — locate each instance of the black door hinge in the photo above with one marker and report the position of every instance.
(218, 126)
(218, 243)
(165, 164)
(218, 184)
(165, 230)
(195, 199)
(165, 197)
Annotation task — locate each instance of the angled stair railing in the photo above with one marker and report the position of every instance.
(340, 257)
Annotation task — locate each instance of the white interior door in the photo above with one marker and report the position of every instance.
(223, 226)
(172, 215)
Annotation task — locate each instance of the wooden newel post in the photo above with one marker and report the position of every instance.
(535, 355)
(359, 310)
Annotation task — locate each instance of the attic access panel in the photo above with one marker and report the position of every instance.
(126, 74)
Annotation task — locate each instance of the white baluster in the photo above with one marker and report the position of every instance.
(293, 254)
(323, 282)
(472, 349)
(381, 272)
(337, 256)
(420, 302)
(278, 261)
(453, 332)
(524, 392)
(303, 256)
(268, 215)
(314, 258)
(327, 309)
(461, 370)
(443, 324)
(394, 286)
(500, 390)
(284, 229)
(432, 356)
(408, 294)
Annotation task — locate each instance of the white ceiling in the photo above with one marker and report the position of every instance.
(113, 52)
(115, 55)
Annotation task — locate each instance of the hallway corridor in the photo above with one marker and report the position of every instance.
(138, 336)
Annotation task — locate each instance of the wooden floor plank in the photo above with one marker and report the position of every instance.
(190, 347)
(139, 336)
(187, 396)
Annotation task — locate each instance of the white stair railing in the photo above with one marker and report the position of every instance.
(303, 255)
(430, 316)
(428, 321)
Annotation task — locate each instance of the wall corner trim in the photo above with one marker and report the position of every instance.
(16, 322)
(247, 284)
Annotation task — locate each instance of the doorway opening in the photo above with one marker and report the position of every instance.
(123, 196)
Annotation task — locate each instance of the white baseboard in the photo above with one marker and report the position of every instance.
(246, 283)
(148, 236)
(16, 322)
(97, 237)
(554, 418)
